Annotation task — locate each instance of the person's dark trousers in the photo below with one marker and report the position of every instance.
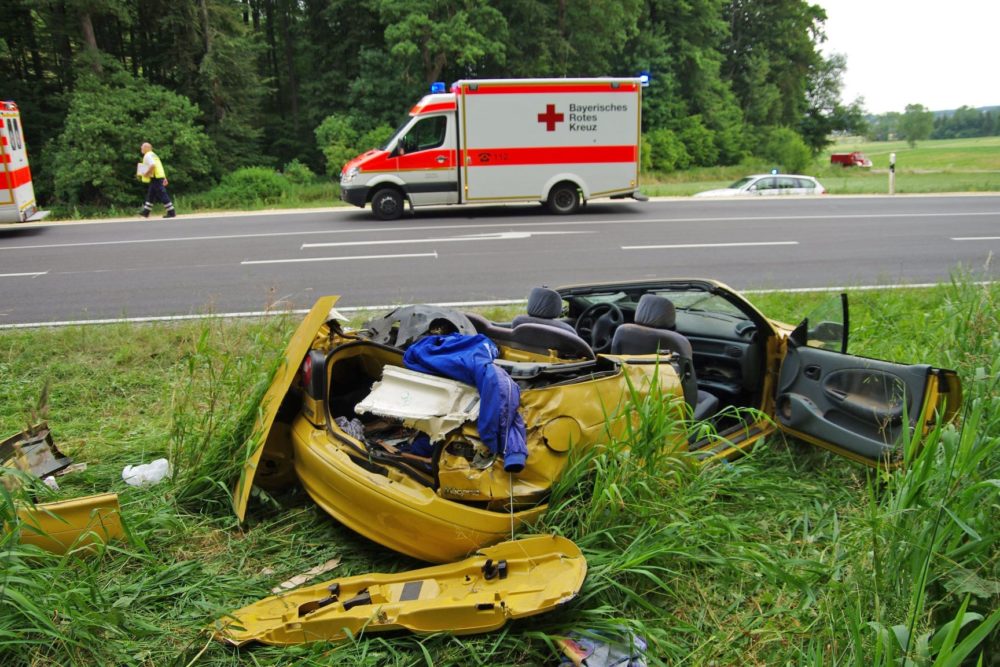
(158, 193)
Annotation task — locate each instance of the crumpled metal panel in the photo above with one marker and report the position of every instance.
(404, 326)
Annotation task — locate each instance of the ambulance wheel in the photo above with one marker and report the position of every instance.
(387, 204)
(564, 199)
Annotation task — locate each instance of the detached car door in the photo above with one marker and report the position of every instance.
(858, 407)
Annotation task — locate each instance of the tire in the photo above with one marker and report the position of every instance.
(387, 204)
(564, 199)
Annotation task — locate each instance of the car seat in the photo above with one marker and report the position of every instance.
(544, 307)
(654, 331)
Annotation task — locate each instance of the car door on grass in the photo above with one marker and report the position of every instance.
(861, 408)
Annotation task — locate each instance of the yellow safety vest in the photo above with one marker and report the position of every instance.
(157, 168)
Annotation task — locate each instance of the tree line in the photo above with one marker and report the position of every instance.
(917, 123)
(217, 85)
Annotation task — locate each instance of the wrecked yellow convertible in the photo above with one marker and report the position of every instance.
(344, 414)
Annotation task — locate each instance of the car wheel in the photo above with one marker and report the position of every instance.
(564, 199)
(387, 204)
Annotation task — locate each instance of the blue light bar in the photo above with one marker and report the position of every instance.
(437, 87)
(644, 78)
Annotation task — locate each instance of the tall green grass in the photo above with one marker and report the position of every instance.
(788, 556)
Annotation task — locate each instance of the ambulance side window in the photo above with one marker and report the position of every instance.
(425, 134)
(17, 131)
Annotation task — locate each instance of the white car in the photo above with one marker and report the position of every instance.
(769, 185)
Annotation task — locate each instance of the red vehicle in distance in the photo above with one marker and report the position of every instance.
(855, 159)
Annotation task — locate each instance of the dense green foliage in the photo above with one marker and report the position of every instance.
(917, 123)
(93, 159)
(265, 82)
(788, 556)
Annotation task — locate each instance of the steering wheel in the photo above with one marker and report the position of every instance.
(597, 325)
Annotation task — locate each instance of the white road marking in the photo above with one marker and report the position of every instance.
(254, 313)
(706, 245)
(336, 259)
(975, 238)
(498, 236)
(482, 225)
(21, 275)
(447, 304)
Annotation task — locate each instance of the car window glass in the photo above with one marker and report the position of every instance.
(427, 133)
(609, 297)
(741, 183)
(825, 325)
(698, 300)
(766, 184)
(786, 183)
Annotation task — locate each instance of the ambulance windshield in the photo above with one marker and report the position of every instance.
(395, 134)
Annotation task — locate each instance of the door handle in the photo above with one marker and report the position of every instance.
(812, 372)
(440, 159)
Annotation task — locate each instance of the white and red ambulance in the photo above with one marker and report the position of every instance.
(17, 196)
(557, 141)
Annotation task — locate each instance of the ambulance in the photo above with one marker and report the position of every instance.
(17, 196)
(561, 142)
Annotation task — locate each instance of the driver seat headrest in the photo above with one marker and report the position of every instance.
(544, 307)
(656, 311)
(545, 303)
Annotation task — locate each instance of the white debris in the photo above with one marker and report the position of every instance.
(300, 579)
(146, 474)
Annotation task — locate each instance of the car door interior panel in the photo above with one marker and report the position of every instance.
(858, 402)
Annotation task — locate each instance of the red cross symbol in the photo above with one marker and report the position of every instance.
(550, 118)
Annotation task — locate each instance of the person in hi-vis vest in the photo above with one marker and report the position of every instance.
(150, 170)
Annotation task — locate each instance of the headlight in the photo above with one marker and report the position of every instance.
(349, 175)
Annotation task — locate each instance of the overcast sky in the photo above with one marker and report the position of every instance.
(941, 54)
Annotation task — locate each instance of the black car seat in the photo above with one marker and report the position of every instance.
(654, 331)
(542, 337)
(544, 307)
(534, 338)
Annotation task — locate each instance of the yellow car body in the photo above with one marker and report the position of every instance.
(439, 510)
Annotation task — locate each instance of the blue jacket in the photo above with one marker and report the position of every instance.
(469, 359)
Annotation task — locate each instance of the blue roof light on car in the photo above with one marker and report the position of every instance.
(437, 87)
(774, 171)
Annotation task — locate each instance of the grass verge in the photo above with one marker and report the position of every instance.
(789, 556)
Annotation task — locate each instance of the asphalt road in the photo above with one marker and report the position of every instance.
(253, 262)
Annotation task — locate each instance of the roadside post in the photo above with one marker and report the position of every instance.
(892, 173)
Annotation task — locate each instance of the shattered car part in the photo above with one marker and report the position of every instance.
(71, 524)
(507, 581)
(403, 326)
(431, 404)
(33, 451)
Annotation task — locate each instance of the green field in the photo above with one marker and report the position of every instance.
(947, 165)
(789, 556)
